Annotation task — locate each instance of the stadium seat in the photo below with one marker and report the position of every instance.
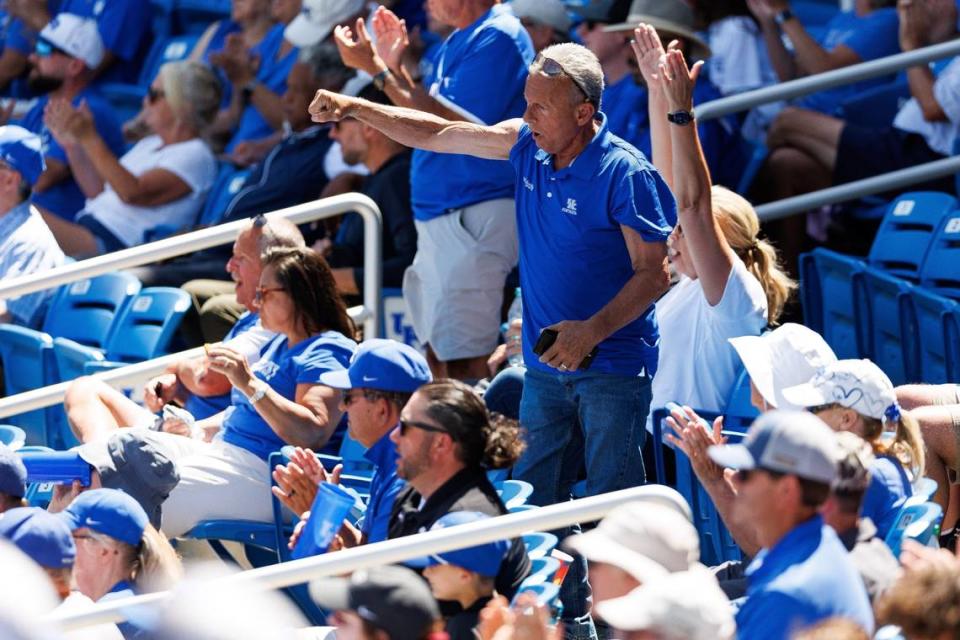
(12, 437)
(940, 271)
(85, 311)
(514, 493)
(229, 181)
(829, 293)
(879, 322)
(877, 106)
(27, 360)
(924, 317)
(917, 521)
(907, 232)
(539, 544)
(951, 336)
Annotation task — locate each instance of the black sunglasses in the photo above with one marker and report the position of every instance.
(822, 407)
(551, 68)
(745, 474)
(406, 424)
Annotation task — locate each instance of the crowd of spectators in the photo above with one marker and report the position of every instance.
(547, 143)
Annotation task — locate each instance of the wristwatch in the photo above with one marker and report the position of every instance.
(682, 117)
(380, 79)
(260, 390)
(783, 16)
(247, 91)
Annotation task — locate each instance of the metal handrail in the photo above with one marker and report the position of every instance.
(393, 551)
(222, 234)
(827, 80)
(119, 378)
(860, 188)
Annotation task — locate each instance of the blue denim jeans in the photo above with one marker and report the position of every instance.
(598, 418)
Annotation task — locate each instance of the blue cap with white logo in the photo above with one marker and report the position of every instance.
(41, 535)
(484, 559)
(382, 365)
(21, 150)
(110, 512)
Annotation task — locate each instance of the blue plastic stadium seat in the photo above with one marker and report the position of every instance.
(194, 16)
(907, 231)
(85, 311)
(880, 324)
(828, 282)
(26, 357)
(924, 320)
(12, 437)
(951, 336)
(229, 181)
(941, 267)
(918, 521)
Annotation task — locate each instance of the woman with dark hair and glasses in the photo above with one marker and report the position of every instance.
(222, 461)
(162, 180)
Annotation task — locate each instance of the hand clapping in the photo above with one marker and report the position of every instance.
(67, 124)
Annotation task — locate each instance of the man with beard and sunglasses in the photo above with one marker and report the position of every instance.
(68, 49)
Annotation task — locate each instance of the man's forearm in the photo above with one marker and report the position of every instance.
(921, 83)
(809, 56)
(640, 291)
(409, 127)
(722, 494)
(780, 58)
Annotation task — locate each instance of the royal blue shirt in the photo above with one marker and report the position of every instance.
(875, 35)
(16, 34)
(384, 488)
(889, 488)
(479, 73)
(272, 73)
(65, 198)
(201, 407)
(124, 26)
(283, 368)
(625, 104)
(573, 256)
(806, 577)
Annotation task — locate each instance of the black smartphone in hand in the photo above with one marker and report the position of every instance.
(549, 336)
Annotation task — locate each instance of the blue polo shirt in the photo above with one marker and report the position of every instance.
(283, 368)
(873, 36)
(201, 407)
(573, 257)
(806, 577)
(272, 73)
(384, 488)
(65, 198)
(480, 73)
(889, 488)
(124, 26)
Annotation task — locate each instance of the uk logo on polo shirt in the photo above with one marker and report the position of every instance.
(571, 207)
(527, 183)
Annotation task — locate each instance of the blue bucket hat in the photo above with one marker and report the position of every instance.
(483, 559)
(41, 535)
(110, 512)
(13, 475)
(22, 151)
(382, 365)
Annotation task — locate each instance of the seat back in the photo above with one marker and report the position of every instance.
(923, 321)
(941, 266)
(148, 324)
(951, 336)
(85, 311)
(27, 358)
(918, 521)
(829, 297)
(229, 181)
(907, 230)
(164, 50)
(12, 437)
(880, 325)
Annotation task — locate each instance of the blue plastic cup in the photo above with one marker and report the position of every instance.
(327, 514)
(59, 467)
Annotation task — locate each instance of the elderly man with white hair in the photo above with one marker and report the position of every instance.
(593, 217)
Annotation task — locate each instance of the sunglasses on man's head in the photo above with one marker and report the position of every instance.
(551, 68)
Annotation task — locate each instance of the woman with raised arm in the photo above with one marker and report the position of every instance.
(730, 283)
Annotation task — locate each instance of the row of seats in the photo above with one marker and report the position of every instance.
(899, 306)
(91, 325)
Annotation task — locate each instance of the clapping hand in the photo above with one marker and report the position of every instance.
(766, 10)
(392, 37)
(237, 61)
(67, 124)
(677, 81)
(693, 438)
(297, 481)
(357, 51)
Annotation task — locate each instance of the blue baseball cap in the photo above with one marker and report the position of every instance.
(110, 512)
(13, 475)
(382, 365)
(484, 559)
(43, 536)
(22, 151)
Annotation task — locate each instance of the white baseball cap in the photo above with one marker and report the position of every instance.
(687, 604)
(856, 384)
(548, 12)
(787, 356)
(318, 18)
(645, 539)
(77, 36)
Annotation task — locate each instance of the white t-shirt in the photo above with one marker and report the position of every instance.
(697, 365)
(939, 135)
(77, 602)
(192, 161)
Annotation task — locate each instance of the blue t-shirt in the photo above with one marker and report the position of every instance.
(806, 577)
(124, 26)
(283, 369)
(872, 36)
(201, 407)
(216, 44)
(384, 488)
(889, 489)
(573, 257)
(480, 73)
(272, 73)
(65, 198)
(625, 105)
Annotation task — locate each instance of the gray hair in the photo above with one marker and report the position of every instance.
(326, 65)
(193, 91)
(276, 233)
(580, 64)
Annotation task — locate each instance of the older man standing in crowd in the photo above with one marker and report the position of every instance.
(593, 218)
(463, 208)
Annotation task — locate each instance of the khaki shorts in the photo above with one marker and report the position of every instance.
(454, 288)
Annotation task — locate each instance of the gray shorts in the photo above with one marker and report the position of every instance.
(454, 288)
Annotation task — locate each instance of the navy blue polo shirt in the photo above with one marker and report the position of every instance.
(385, 486)
(806, 577)
(573, 257)
(479, 73)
